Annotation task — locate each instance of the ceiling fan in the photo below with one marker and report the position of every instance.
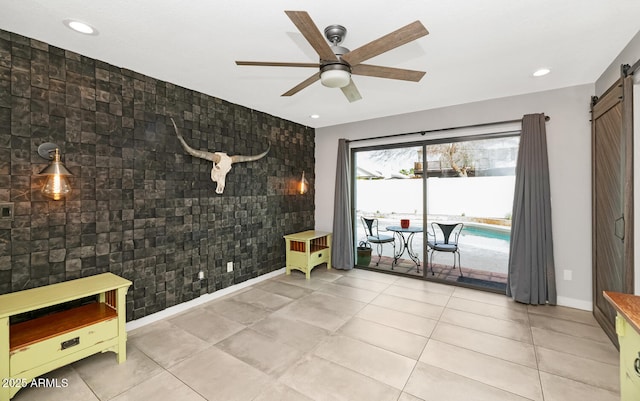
(337, 63)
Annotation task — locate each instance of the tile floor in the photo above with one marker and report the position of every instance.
(356, 335)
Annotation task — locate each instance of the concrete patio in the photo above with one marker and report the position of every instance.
(480, 258)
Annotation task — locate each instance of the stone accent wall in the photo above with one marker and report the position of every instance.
(141, 207)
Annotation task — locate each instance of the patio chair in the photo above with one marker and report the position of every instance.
(374, 237)
(445, 239)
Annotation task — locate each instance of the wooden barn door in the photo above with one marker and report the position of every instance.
(612, 180)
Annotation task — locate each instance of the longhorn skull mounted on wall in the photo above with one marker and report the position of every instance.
(221, 161)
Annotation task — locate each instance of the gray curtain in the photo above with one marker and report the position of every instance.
(532, 278)
(342, 256)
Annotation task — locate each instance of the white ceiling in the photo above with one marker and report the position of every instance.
(476, 50)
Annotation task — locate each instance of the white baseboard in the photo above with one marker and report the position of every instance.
(165, 313)
(575, 303)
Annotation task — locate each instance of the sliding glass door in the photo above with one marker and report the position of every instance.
(408, 191)
(472, 182)
(388, 199)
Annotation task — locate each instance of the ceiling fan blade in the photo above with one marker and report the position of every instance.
(351, 92)
(387, 72)
(310, 31)
(277, 64)
(385, 43)
(315, 77)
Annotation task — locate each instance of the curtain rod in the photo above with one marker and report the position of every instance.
(546, 118)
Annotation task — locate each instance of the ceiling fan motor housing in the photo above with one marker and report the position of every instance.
(339, 51)
(335, 33)
(335, 74)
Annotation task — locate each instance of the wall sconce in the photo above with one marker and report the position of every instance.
(56, 185)
(303, 187)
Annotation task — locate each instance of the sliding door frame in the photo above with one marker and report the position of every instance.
(419, 143)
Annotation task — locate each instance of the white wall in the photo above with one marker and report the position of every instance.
(569, 148)
(629, 55)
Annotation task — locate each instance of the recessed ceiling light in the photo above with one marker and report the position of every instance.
(81, 27)
(315, 116)
(541, 72)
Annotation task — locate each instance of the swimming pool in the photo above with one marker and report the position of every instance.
(499, 233)
(486, 237)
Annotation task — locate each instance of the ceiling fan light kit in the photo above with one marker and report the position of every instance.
(335, 76)
(337, 63)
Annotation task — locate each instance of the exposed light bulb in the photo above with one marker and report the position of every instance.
(304, 185)
(56, 187)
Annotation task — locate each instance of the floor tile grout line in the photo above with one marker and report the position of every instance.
(440, 321)
(581, 338)
(191, 388)
(91, 388)
(535, 354)
(478, 381)
(488, 316)
(486, 384)
(415, 300)
(356, 372)
(209, 345)
(409, 377)
(393, 327)
(378, 346)
(523, 310)
(162, 369)
(483, 353)
(586, 325)
(486, 332)
(336, 332)
(535, 312)
(574, 355)
(572, 378)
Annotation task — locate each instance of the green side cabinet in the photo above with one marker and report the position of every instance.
(35, 346)
(306, 250)
(628, 331)
(629, 340)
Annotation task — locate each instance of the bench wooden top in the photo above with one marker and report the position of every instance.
(36, 298)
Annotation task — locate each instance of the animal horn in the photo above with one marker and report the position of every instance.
(193, 152)
(240, 158)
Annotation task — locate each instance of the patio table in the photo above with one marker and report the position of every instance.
(406, 243)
